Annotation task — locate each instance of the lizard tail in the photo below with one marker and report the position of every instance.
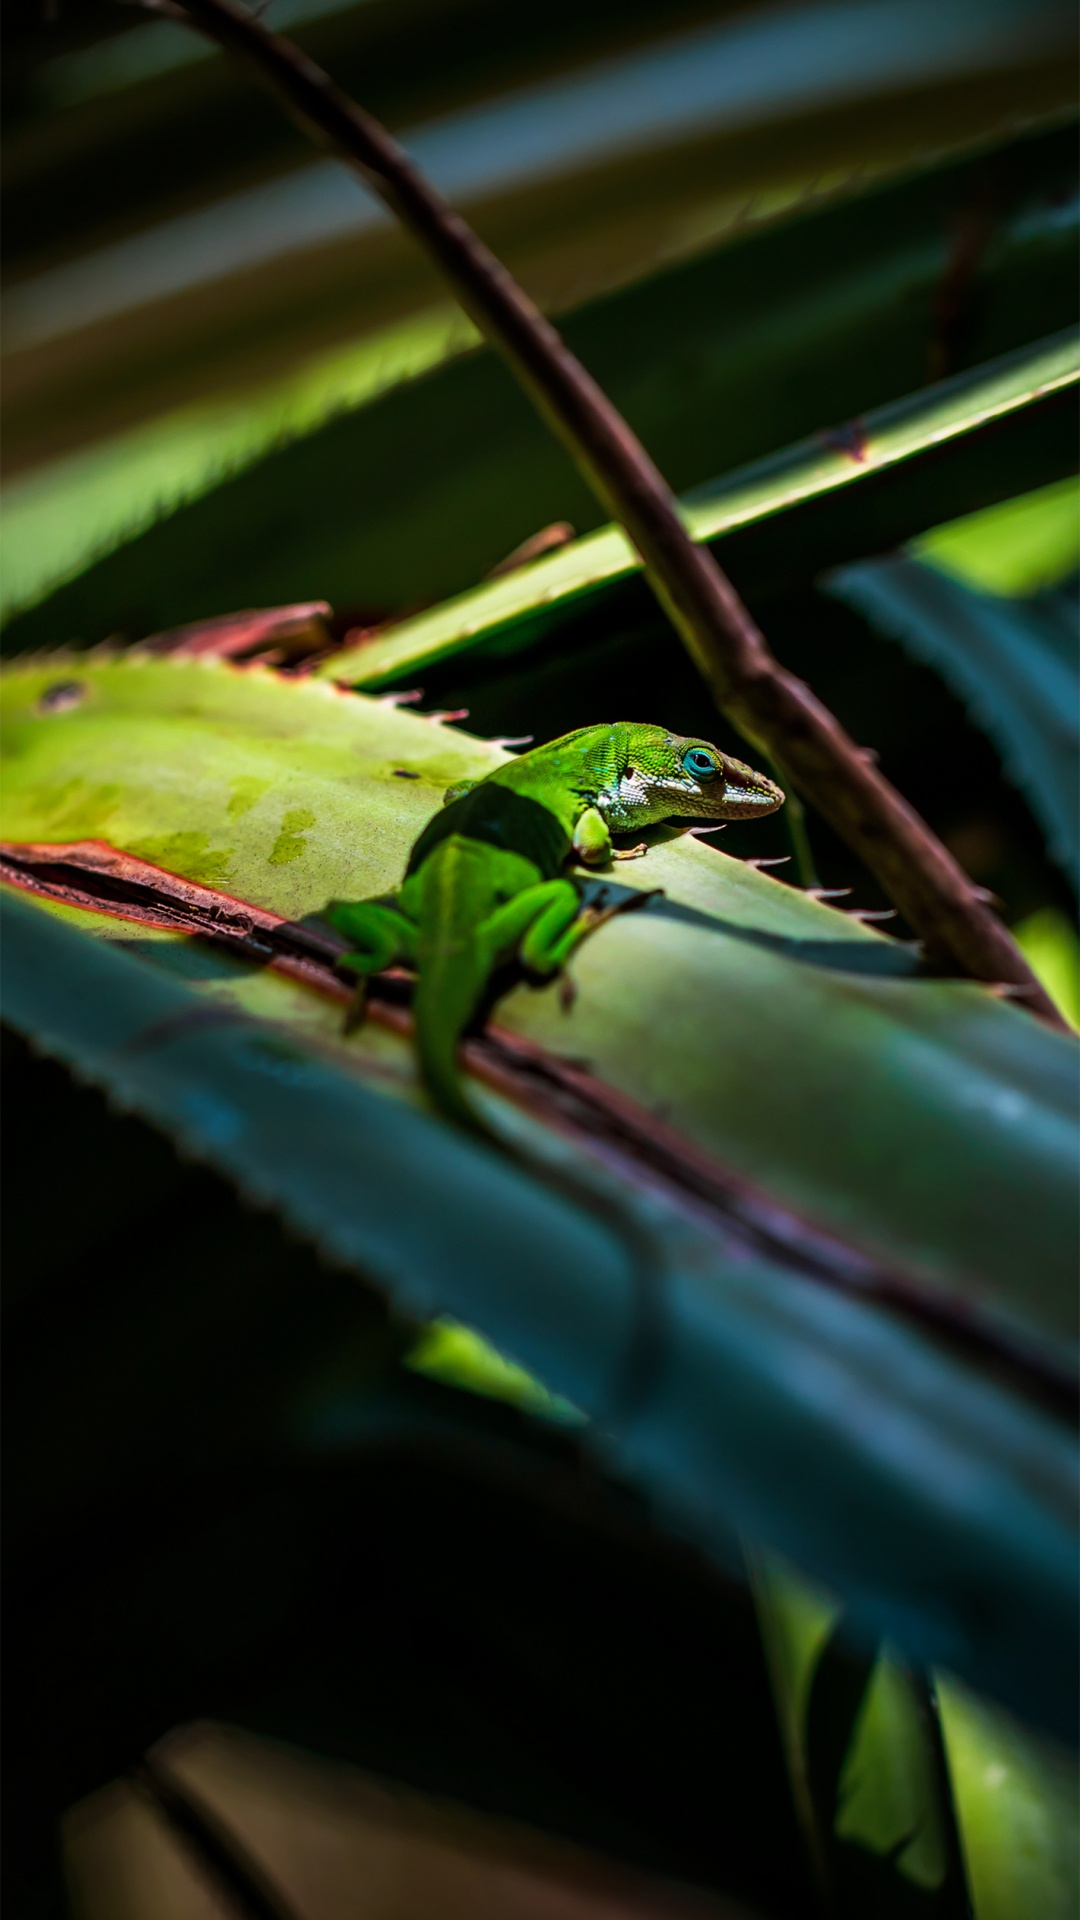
(446, 997)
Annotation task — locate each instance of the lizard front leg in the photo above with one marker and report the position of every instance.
(592, 841)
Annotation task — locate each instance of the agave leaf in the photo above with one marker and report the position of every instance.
(924, 1121)
(288, 794)
(285, 794)
(867, 485)
(1014, 664)
(62, 516)
(414, 495)
(460, 1358)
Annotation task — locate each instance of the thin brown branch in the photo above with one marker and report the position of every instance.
(775, 711)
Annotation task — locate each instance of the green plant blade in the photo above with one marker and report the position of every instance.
(880, 1785)
(1025, 546)
(584, 185)
(61, 517)
(1016, 1801)
(1013, 663)
(840, 494)
(1050, 945)
(419, 493)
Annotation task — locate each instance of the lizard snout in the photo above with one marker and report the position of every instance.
(748, 794)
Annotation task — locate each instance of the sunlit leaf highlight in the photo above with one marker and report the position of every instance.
(1050, 945)
(59, 519)
(1019, 548)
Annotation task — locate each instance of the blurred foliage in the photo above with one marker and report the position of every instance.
(419, 492)
(860, 485)
(1015, 663)
(1050, 943)
(1017, 1806)
(59, 518)
(593, 145)
(887, 1733)
(1020, 548)
(386, 1510)
(460, 1357)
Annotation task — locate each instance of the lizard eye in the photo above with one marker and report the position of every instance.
(700, 764)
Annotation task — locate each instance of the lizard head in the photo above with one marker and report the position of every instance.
(669, 775)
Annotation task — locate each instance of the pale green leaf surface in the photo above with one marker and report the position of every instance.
(460, 1357)
(888, 1793)
(888, 1789)
(797, 1621)
(1016, 1798)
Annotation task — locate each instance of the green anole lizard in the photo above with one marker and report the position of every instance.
(486, 880)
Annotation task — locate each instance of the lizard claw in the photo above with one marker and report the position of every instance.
(629, 853)
(568, 992)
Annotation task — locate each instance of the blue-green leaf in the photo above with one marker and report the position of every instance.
(1014, 663)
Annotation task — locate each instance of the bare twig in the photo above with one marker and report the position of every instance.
(775, 711)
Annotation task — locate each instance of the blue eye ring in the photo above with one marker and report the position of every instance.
(699, 764)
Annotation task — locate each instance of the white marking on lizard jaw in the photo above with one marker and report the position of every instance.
(625, 799)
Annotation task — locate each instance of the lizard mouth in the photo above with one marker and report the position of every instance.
(748, 794)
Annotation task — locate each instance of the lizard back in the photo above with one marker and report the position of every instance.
(498, 817)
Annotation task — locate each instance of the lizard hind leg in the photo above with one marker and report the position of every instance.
(557, 931)
(534, 925)
(379, 934)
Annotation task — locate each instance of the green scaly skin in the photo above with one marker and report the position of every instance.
(486, 880)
